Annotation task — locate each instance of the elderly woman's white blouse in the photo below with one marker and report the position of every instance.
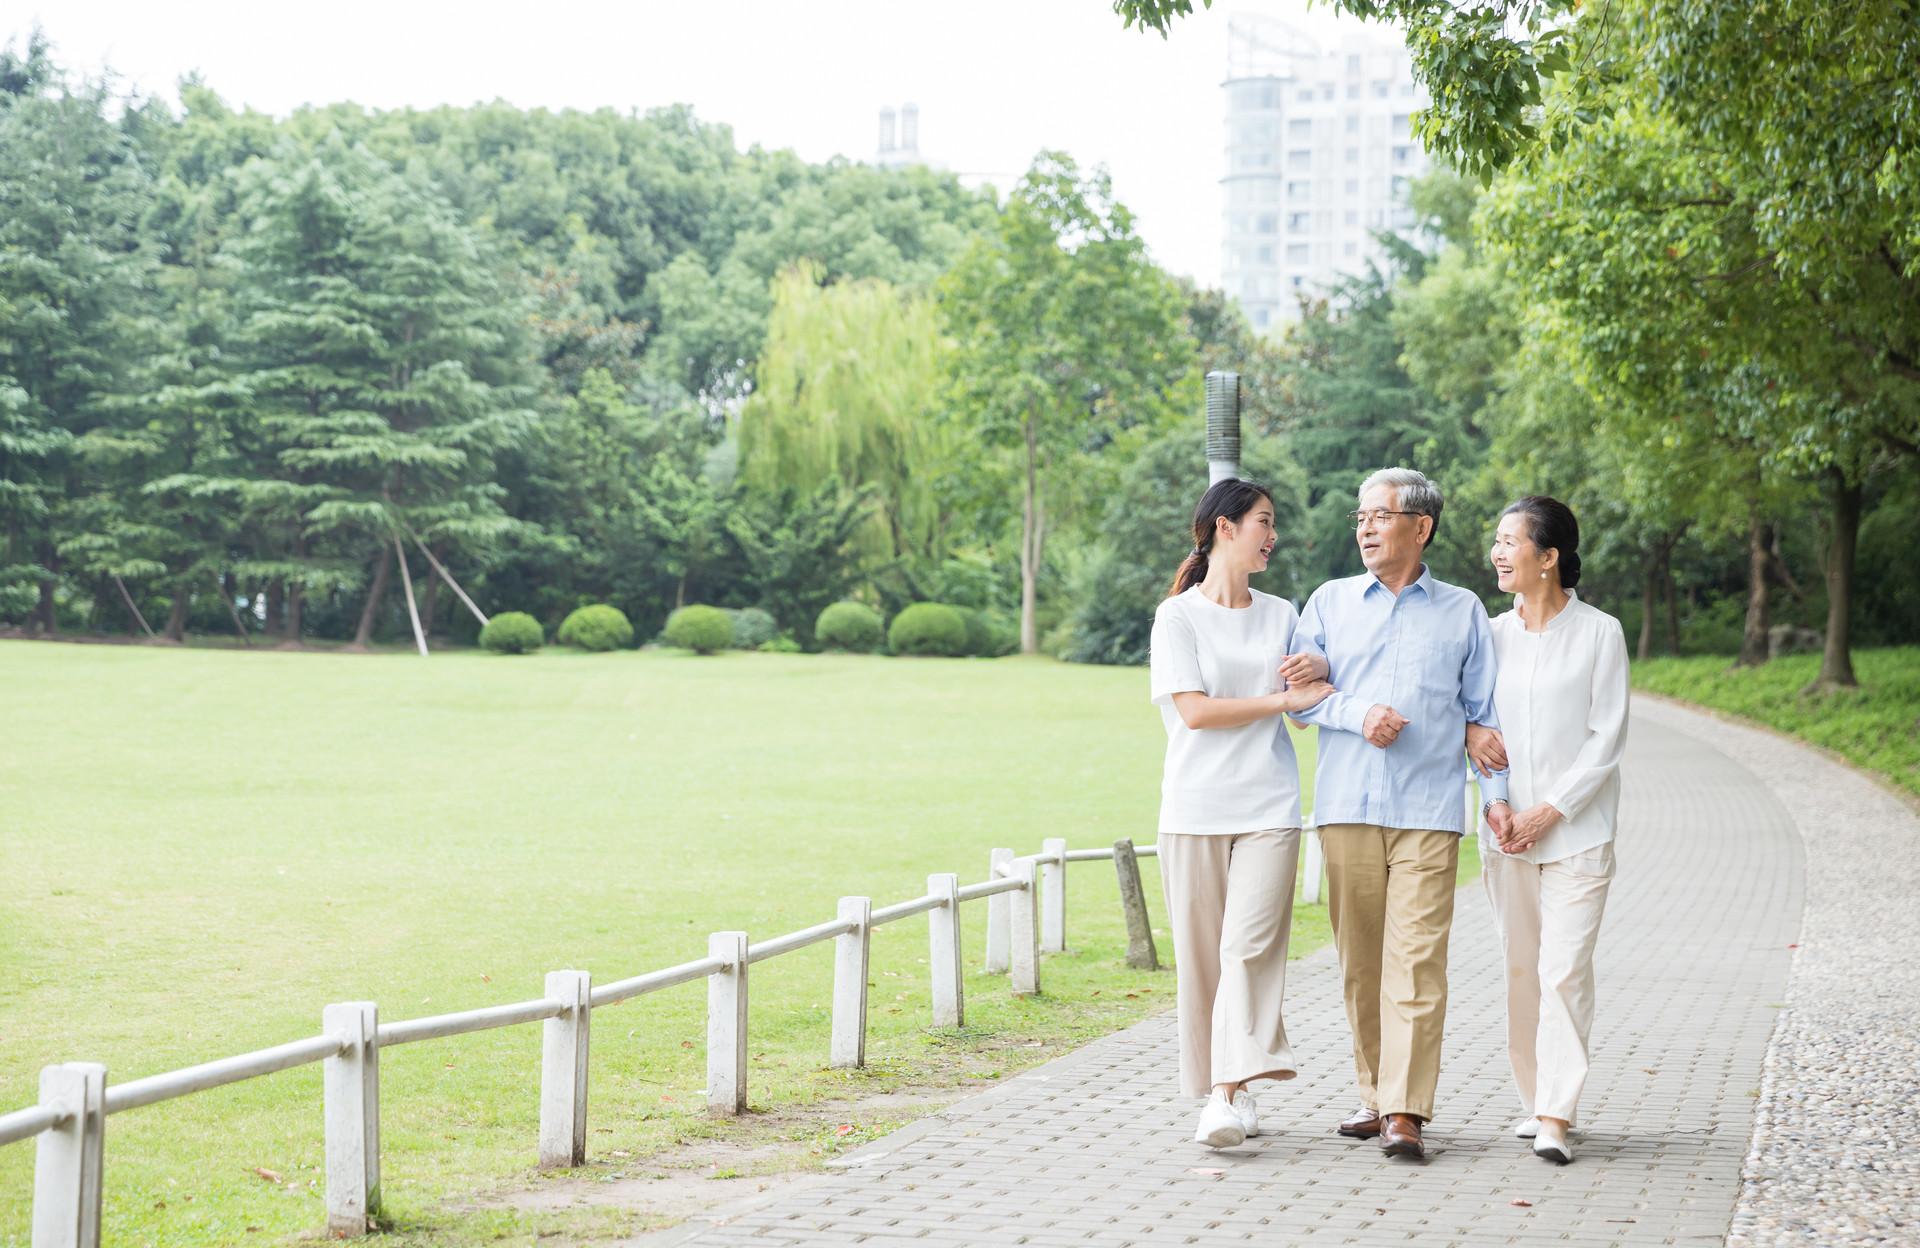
(1561, 695)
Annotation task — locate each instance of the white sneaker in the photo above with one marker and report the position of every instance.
(1249, 1112)
(1220, 1124)
(1526, 1128)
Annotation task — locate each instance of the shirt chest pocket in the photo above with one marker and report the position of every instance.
(1437, 662)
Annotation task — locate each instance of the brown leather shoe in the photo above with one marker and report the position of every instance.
(1364, 1125)
(1400, 1136)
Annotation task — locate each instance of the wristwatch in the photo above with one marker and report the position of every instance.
(1498, 801)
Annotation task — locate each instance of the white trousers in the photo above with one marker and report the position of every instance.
(1230, 899)
(1549, 918)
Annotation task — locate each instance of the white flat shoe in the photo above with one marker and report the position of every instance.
(1249, 1112)
(1551, 1145)
(1526, 1128)
(1220, 1125)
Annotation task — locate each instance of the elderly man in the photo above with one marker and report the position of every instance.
(1412, 659)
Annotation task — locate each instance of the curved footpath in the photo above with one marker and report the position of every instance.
(1706, 1123)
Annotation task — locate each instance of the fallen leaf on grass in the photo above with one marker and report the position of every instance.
(843, 1128)
(271, 1176)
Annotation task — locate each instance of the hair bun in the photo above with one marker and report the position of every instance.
(1569, 569)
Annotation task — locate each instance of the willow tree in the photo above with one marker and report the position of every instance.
(846, 391)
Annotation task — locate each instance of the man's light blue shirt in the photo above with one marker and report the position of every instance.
(1428, 654)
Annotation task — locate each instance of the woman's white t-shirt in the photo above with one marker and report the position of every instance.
(1224, 781)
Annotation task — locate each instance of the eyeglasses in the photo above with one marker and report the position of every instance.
(1379, 515)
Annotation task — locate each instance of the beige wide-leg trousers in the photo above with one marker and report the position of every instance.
(1390, 900)
(1549, 917)
(1230, 899)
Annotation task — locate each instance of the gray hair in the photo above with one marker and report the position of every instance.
(1412, 491)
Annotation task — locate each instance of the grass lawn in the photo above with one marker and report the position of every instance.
(1876, 726)
(201, 848)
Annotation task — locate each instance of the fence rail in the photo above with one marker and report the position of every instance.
(1026, 914)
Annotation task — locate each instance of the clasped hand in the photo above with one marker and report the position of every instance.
(1518, 833)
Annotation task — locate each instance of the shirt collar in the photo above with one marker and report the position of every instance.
(1423, 582)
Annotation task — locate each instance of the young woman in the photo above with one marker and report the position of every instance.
(1561, 696)
(1229, 806)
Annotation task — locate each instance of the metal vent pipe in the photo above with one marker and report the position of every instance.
(1223, 426)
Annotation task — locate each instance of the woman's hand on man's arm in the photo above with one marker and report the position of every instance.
(1199, 710)
(1487, 748)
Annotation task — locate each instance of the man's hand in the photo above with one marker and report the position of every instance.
(1487, 748)
(1303, 669)
(1383, 725)
(1500, 820)
(1529, 826)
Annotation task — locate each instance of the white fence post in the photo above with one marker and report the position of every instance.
(943, 951)
(850, 950)
(564, 1041)
(1026, 929)
(727, 1025)
(350, 1091)
(999, 917)
(1316, 868)
(1053, 874)
(67, 1158)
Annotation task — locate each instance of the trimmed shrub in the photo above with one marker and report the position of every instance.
(783, 644)
(512, 632)
(1002, 634)
(753, 628)
(928, 628)
(979, 636)
(598, 627)
(990, 634)
(704, 630)
(851, 626)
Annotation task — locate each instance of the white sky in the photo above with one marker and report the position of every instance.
(996, 80)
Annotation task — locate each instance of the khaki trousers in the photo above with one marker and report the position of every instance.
(1549, 918)
(1230, 899)
(1390, 899)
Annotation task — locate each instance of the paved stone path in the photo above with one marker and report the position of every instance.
(1842, 1079)
(1096, 1148)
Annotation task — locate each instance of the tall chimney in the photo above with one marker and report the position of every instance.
(886, 132)
(1223, 426)
(910, 128)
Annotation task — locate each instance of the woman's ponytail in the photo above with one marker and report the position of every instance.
(1193, 570)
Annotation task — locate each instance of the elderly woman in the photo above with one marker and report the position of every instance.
(1561, 697)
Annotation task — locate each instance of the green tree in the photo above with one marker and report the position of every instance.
(75, 273)
(796, 551)
(1065, 332)
(387, 365)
